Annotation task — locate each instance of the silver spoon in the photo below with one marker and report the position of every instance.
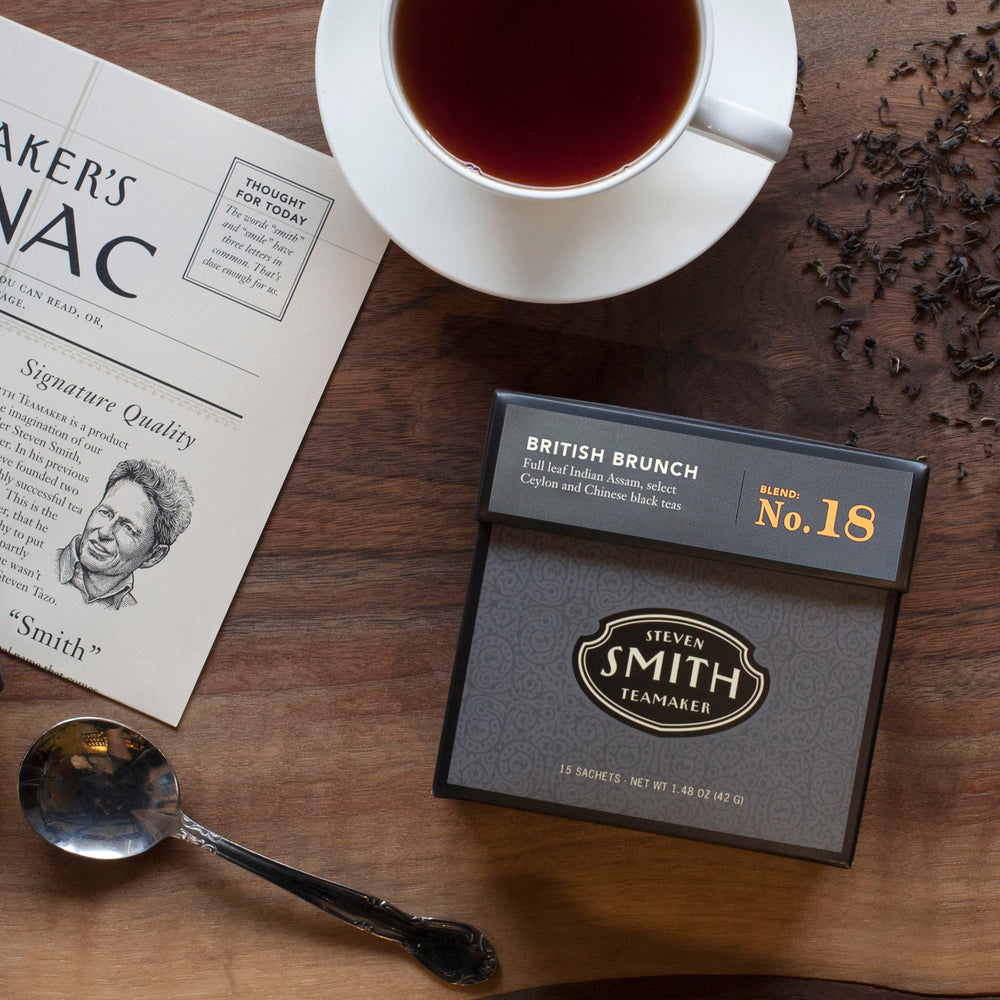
(99, 789)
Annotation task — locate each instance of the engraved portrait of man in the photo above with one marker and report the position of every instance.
(145, 508)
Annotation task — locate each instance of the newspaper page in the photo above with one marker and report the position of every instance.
(175, 288)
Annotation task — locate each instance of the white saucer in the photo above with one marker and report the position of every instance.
(568, 251)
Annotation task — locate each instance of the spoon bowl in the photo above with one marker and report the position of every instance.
(96, 788)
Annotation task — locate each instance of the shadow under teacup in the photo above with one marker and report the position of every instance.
(548, 99)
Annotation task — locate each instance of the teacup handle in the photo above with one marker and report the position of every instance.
(743, 127)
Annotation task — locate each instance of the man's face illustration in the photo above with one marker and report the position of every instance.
(118, 537)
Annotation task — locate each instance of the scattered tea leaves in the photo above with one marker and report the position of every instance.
(931, 194)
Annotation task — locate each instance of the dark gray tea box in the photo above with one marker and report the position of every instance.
(678, 626)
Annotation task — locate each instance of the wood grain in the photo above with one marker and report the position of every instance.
(716, 988)
(313, 732)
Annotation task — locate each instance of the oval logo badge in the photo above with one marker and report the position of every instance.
(670, 673)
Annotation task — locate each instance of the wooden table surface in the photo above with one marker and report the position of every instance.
(313, 731)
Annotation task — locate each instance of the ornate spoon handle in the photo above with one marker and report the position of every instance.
(456, 952)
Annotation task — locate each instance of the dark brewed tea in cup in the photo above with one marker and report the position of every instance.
(547, 93)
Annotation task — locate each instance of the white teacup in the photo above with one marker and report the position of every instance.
(719, 118)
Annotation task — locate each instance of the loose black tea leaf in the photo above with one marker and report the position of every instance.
(824, 227)
(981, 363)
(843, 277)
(883, 107)
(800, 72)
(842, 167)
(842, 333)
